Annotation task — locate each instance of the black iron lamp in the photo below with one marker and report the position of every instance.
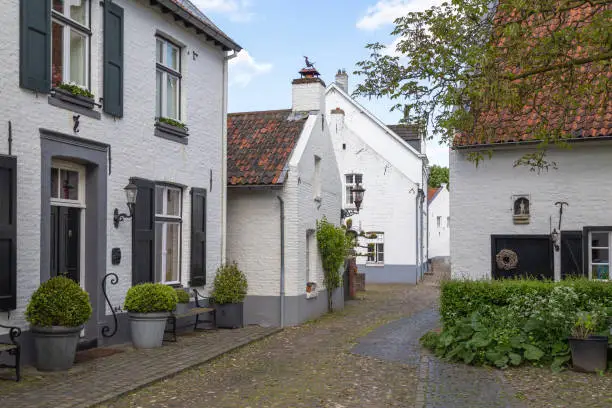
(357, 193)
(131, 191)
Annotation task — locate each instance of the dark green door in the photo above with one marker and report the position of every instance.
(65, 242)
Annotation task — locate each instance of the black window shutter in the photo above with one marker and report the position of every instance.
(113, 59)
(35, 45)
(198, 237)
(8, 233)
(143, 233)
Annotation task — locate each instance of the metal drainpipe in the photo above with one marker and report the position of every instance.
(416, 234)
(226, 60)
(282, 261)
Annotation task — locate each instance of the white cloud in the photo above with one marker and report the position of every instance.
(384, 12)
(244, 68)
(236, 10)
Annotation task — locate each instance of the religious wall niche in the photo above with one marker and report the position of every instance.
(521, 209)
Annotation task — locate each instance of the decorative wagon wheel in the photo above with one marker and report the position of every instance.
(506, 259)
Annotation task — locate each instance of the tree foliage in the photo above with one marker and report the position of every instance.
(438, 175)
(333, 243)
(474, 67)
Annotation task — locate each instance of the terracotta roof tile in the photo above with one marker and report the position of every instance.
(259, 145)
(432, 192)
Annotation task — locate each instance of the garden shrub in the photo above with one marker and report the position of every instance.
(230, 285)
(59, 302)
(334, 245)
(151, 298)
(509, 322)
(183, 297)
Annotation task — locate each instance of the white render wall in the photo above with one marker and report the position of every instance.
(136, 152)
(439, 237)
(481, 200)
(392, 174)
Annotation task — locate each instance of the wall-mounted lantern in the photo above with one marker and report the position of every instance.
(357, 193)
(131, 191)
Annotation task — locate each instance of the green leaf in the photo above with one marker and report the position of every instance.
(501, 362)
(515, 359)
(446, 339)
(532, 353)
(559, 362)
(480, 340)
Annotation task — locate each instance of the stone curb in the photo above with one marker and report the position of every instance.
(139, 385)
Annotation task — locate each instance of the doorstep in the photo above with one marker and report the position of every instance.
(118, 370)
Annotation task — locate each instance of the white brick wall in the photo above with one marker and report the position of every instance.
(308, 97)
(481, 200)
(135, 150)
(439, 237)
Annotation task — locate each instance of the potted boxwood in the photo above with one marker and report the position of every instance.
(183, 301)
(589, 351)
(148, 306)
(229, 290)
(56, 313)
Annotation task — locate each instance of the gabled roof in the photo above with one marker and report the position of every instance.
(260, 144)
(432, 193)
(191, 16)
(406, 132)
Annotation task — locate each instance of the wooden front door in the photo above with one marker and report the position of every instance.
(65, 242)
(571, 254)
(534, 256)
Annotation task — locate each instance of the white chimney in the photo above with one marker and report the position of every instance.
(308, 94)
(342, 80)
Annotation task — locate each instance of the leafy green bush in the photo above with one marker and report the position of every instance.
(334, 245)
(59, 302)
(151, 298)
(183, 297)
(504, 323)
(230, 285)
(76, 90)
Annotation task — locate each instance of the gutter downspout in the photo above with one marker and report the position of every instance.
(416, 234)
(282, 261)
(226, 59)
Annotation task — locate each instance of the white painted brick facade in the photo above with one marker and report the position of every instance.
(308, 96)
(481, 200)
(136, 152)
(253, 234)
(439, 236)
(392, 175)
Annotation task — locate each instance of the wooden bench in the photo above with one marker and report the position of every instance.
(13, 348)
(197, 312)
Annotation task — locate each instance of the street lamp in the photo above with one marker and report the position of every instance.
(357, 194)
(131, 192)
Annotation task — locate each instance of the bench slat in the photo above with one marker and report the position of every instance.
(195, 311)
(5, 347)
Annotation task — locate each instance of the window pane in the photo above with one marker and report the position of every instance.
(159, 199)
(371, 252)
(158, 94)
(159, 255)
(57, 54)
(599, 239)
(380, 257)
(349, 195)
(172, 252)
(58, 5)
(601, 272)
(160, 51)
(70, 185)
(172, 57)
(174, 202)
(78, 10)
(358, 179)
(54, 179)
(599, 256)
(172, 97)
(349, 179)
(77, 58)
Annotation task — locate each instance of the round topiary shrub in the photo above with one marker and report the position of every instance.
(230, 285)
(183, 297)
(151, 298)
(59, 302)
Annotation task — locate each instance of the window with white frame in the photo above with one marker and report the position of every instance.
(168, 80)
(376, 248)
(70, 37)
(67, 184)
(168, 223)
(351, 180)
(599, 254)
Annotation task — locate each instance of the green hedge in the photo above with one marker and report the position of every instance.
(59, 302)
(460, 299)
(151, 298)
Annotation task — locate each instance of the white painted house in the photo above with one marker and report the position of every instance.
(390, 163)
(65, 160)
(438, 201)
(282, 178)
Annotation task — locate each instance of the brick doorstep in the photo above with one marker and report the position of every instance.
(110, 377)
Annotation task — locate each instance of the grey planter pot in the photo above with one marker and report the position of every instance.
(148, 329)
(182, 308)
(230, 315)
(78, 100)
(589, 355)
(55, 347)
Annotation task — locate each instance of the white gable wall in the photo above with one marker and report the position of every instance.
(439, 237)
(481, 200)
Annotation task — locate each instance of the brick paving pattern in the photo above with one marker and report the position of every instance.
(105, 378)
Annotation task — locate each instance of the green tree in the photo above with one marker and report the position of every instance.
(334, 245)
(438, 175)
(463, 66)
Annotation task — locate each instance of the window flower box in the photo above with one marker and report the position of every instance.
(78, 100)
(171, 132)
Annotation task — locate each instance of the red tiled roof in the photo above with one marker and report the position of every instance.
(259, 144)
(432, 192)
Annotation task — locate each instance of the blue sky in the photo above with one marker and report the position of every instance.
(276, 34)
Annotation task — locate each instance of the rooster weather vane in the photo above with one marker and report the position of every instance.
(308, 63)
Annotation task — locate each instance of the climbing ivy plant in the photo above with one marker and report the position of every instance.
(333, 246)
